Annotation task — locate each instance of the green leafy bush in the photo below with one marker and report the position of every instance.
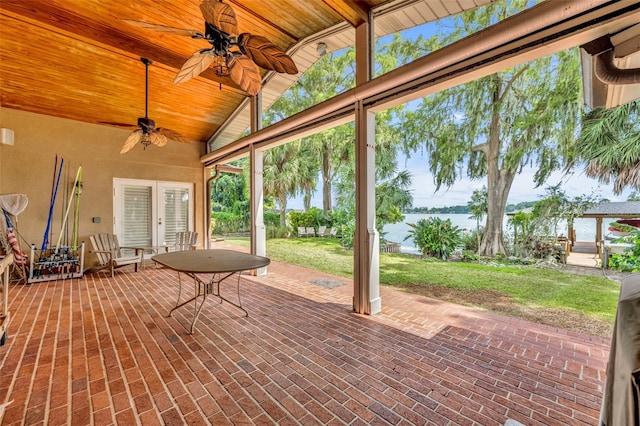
(435, 237)
(348, 234)
(272, 219)
(223, 223)
(471, 240)
(277, 232)
(538, 247)
(311, 218)
(629, 261)
(469, 256)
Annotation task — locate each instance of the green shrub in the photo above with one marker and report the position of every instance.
(348, 234)
(226, 223)
(277, 232)
(470, 256)
(629, 261)
(435, 237)
(272, 218)
(311, 218)
(470, 240)
(537, 247)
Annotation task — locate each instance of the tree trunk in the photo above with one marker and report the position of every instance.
(493, 239)
(498, 182)
(307, 200)
(282, 201)
(326, 180)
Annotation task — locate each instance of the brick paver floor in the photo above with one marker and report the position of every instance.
(102, 350)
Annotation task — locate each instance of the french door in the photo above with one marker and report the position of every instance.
(149, 213)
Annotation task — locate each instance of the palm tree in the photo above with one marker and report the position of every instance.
(393, 192)
(609, 144)
(393, 195)
(308, 171)
(281, 173)
(331, 75)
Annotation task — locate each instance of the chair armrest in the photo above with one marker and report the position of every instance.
(102, 251)
(138, 250)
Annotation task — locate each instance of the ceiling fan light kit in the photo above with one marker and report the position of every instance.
(146, 132)
(230, 54)
(220, 66)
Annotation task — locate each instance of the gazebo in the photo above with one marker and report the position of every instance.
(611, 210)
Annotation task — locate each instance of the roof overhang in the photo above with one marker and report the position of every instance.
(542, 30)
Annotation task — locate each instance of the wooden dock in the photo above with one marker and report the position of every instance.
(584, 253)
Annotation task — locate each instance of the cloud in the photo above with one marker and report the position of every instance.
(523, 188)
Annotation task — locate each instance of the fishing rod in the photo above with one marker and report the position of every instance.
(54, 193)
(66, 214)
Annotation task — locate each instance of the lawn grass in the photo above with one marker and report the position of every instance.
(529, 288)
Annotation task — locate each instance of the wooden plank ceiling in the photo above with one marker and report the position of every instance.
(78, 59)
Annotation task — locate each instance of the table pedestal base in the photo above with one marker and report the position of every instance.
(203, 289)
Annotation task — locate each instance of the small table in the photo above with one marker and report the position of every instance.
(147, 249)
(221, 263)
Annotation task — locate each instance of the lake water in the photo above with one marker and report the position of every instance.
(397, 232)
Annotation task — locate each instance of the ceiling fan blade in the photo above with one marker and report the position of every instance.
(131, 141)
(220, 15)
(164, 28)
(116, 124)
(173, 135)
(193, 66)
(157, 138)
(244, 72)
(266, 54)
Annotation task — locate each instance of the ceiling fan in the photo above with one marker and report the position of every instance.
(230, 54)
(146, 131)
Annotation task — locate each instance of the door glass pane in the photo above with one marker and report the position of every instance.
(137, 216)
(176, 212)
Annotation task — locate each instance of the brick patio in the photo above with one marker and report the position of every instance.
(101, 350)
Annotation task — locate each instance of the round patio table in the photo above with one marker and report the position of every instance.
(221, 264)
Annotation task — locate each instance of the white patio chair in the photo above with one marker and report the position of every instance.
(186, 240)
(109, 253)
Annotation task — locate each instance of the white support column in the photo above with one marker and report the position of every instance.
(366, 291)
(258, 230)
(366, 284)
(256, 163)
(207, 207)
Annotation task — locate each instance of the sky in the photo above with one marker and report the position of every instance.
(424, 195)
(523, 188)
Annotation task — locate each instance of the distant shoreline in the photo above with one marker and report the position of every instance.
(464, 209)
(397, 232)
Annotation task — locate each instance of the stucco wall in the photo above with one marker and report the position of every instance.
(27, 167)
